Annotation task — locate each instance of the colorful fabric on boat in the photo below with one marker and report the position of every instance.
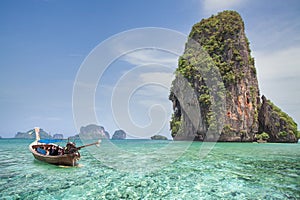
(41, 151)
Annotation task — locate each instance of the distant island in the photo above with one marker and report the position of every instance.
(119, 135)
(93, 131)
(43, 134)
(58, 136)
(31, 134)
(247, 116)
(159, 137)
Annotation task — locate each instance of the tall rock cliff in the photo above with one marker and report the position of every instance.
(222, 38)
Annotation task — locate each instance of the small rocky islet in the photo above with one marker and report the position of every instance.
(245, 116)
(119, 135)
(158, 137)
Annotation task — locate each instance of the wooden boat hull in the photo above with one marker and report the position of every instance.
(66, 159)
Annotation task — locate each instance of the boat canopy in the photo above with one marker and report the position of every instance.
(47, 141)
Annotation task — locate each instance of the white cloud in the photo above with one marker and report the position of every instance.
(214, 6)
(279, 64)
(275, 32)
(146, 56)
(138, 101)
(163, 78)
(148, 45)
(144, 61)
(279, 78)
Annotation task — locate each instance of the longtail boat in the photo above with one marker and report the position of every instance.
(54, 154)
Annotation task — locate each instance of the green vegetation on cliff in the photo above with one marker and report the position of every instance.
(291, 124)
(218, 47)
(175, 124)
(217, 35)
(276, 123)
(219, 55)
(263, 136)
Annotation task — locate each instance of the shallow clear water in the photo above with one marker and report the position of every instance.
(229, 171)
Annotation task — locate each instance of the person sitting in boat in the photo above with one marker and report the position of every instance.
(70, 148)
(51, 150)
(60, 151)
(54, 151)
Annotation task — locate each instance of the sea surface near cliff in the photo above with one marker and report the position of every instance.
(229, 171)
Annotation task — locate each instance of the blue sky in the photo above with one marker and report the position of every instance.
(44, 43)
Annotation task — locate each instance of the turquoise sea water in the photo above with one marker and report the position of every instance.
(228, 171)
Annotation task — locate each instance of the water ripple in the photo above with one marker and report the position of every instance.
(230, 171)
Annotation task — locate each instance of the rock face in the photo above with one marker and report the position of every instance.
(119, 135)
(279, 126)
(93, 131)
(223, 77)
